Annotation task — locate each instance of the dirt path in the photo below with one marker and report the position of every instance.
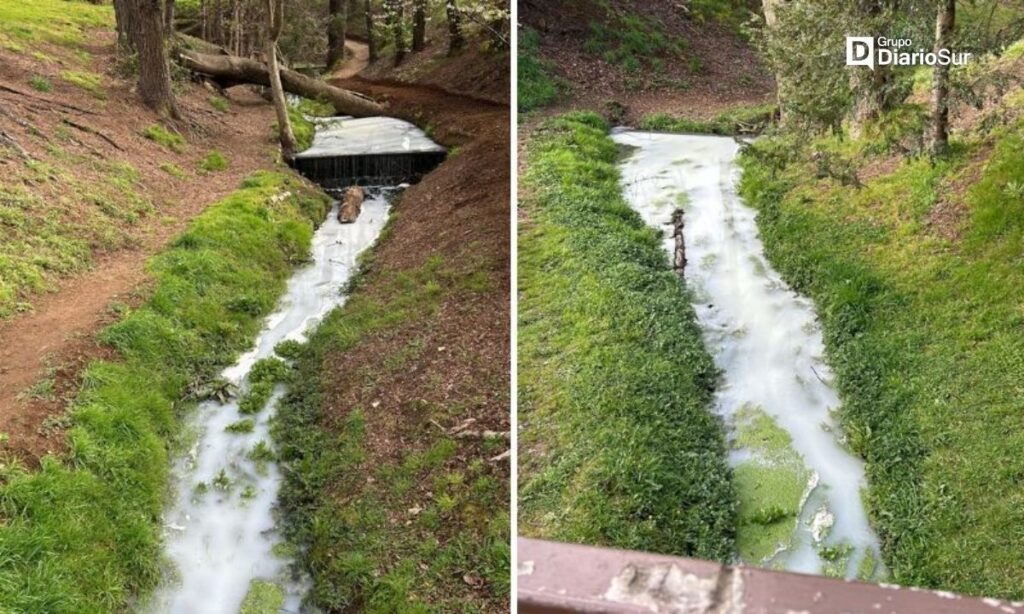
(355, 63)
(47, 347)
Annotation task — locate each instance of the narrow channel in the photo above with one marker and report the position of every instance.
(221, 534)
(767, 342)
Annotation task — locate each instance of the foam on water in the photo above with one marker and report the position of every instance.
(764, 337)
(219, 541)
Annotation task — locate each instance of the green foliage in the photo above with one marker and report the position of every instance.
(289, 349)
(736, 121)
(40, 83)
(82, 534)
(619, 446)
(245, 425)
(263, 377)
(536, 85)
(213, 162)
(171, 140)
(263, 598)
(342, 522)
(923, 332)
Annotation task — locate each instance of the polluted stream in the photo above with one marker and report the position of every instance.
(798, 486)
(222, 538)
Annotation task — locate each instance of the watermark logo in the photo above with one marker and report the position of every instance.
(874, 52)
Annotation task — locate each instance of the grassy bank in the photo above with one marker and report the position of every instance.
(917, 278)
(537, 85)
(82, 533)
(733, 122)
(617, 444)
(419, 527)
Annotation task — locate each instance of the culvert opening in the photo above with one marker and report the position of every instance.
(369, 151)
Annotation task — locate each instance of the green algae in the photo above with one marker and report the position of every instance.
(771, 486)
(263, 598)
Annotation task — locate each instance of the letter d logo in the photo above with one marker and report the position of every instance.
(860, 51)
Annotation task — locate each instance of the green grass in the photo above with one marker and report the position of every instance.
(263, 598)
(635, 42)
(40, 83)
(220, 103)
(82, 533)
(618, 446)
(24, 25)
(213, 162)
(924, 333)
(173, 170)
(371, 537)
(171, 140)
(537, 86)
(735, 121)
(88, 81)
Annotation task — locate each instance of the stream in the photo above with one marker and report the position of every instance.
(767, 342)
(220, 528)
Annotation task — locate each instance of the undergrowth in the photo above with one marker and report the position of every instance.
(82, 533)
(618, 446)
(923, 329)
(536, 85)
(743, 120)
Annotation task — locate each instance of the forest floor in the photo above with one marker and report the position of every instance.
(94, 199)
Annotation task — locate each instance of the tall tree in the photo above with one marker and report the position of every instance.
(873, 90)
(275, 17)
(169, 17)
(455, 38)
(395, 18)
(419, 25)
(123, 11)
(143, 21)
(371, 40)
(337, 22)
(944, 24)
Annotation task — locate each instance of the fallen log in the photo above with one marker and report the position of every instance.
(229, 70)
(352, 205)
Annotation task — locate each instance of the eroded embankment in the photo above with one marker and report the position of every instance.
(394, 436)
(618, 445)
(82, 534)
(798, 487)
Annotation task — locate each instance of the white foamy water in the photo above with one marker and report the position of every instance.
(764, 337)
(221, 540)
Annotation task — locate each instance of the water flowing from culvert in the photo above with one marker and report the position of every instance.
(220, 528)
(764, 337)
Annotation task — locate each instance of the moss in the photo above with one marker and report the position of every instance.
(213, 162)
(220, 103)
(171, 140)
(173, 170)
(39, 83)
(242, 426)
(736, 121)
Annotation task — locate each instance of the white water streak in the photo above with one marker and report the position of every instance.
(764, 336)
(219, 542)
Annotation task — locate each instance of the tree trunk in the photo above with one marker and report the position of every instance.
(455, 39)
(147, 36)
(218, 22)
(771, 18)
(336, 25)
(872, 89)
(275, 18)
(419, 25)
(227, 70)
(944, 24)
(169, 17)
(123, 12)
(396, 23)
(371, 40)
